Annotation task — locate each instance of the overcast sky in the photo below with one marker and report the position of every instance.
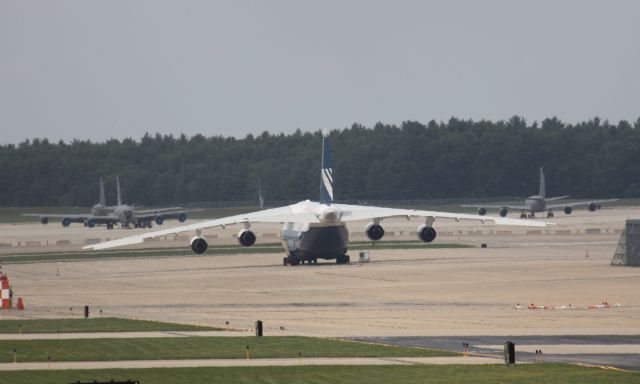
(101, 69)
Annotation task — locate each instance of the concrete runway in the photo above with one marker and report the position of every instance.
(621, 352)
(401, 293)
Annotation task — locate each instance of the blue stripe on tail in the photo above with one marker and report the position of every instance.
(326, 176)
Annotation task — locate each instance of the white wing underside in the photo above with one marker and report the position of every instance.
(309, 212)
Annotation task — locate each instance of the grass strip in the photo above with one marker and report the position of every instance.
(217, 250)
(161, 348)
(103, 324)
(479, 374)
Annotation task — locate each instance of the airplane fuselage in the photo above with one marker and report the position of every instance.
(327, 239)
(536, 203)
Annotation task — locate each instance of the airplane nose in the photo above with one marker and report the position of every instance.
(127, 214)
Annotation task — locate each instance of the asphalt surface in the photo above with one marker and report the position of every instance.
(492, 345)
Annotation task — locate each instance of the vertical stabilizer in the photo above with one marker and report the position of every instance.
(103, 201)
(326, 180)
(542, 186)
(118, 190)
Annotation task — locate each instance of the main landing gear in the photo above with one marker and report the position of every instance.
(523, 215)
(294, 260)
(550, 214)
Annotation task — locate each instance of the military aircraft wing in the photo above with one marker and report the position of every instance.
(508, 206)
(358, 212)
(579, 203)
(74, 218)
(157, 210)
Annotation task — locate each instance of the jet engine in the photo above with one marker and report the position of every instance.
(426, 233)
(182, 217)
(503, 211)
(91, 223)
(66, 221)
(482, 211)
(44, 220)
(374, 231)
(246, 238)
(568, 210)
(159, 220)
(592, 207)
(199, 245)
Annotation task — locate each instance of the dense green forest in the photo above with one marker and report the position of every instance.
(454, 159)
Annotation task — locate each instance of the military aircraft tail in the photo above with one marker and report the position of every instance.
(542, 192)
(326, 180)
(118, 190)
(103, 201)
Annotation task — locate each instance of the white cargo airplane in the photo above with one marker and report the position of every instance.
(316, 230)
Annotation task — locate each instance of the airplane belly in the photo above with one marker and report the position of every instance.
(316, 242)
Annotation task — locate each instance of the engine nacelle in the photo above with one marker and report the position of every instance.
(246, 238)
(159, 220)
(592, 207)
(503, 211)
(426, 233)
(91, 223)
(182, 217)
(66, 221)
(568, 210)
(374, 231)
(44, 220)
(482, 211)
(199, 245)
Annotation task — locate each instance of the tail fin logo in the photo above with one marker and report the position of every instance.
(326, 184)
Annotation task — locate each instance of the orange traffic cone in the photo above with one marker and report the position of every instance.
(20, 303)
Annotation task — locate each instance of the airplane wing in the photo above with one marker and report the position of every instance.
(514, 207)
(579, 203)
(76, 218)
(300, 212)
(358, 212)
(307, 212)
(57, 215)
(555, 198)
(157, 210)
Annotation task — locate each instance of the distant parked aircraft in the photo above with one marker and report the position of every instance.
(316, 230)
(123, 214)
(538, 203)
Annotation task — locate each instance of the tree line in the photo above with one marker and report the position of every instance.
(453, 159)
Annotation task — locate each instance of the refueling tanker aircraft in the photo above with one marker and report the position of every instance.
(122, 214)
(538, 203)
(316, 230)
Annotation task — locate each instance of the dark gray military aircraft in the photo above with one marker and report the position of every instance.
(123, 214)
(316, 230)
(539, 203)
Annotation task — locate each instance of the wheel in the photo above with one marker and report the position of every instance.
(295, 261)
(342, 259)
(549, 214)
(285, 261)
(347, 259)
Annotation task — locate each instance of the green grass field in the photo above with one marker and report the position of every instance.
(104, 324)
(214, 250)
(533, 374)
(199, 348)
